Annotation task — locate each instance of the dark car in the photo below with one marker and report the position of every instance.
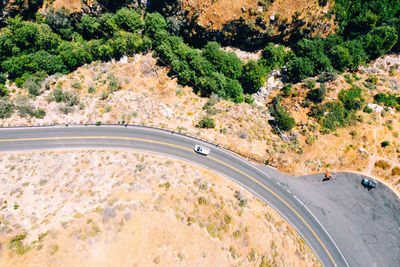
(368, 183)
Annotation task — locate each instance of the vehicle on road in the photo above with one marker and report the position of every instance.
(202, 150)
(368, 184)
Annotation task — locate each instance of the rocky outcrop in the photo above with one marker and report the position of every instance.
(13, 7)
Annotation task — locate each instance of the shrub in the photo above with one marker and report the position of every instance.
(3, 90)
(385, 143)
(300, 68)
(382, 164)
(206, 122)
(310, 84)
(3, 78)
(68, 97)
(327, 77)
(6, 108)
(287, 90)
(282, 119)
(352, 98)
(317, 95)
(34, 85)
(254, 77)
(368, 110)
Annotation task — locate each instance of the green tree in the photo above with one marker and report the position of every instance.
(154, 22)
(74, 54)
(340, 57)
(89, 27)
(380, 41)
(300, 68)
(254, 77)
(129, 20)
(6, 108)
(227, 63)
(47, 39)
(275, 56)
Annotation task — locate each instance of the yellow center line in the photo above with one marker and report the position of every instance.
(185, 148)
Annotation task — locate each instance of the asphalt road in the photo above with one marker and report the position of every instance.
(328, 236)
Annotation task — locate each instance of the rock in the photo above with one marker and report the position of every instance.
(243, 9)
(123, 60)
(243, 135)
(272, 18)
(376, 108)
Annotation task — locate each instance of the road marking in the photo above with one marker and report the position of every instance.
(185, 148)
(283, 201)
(301, 202)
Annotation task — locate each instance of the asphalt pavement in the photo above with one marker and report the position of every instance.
(337, 228)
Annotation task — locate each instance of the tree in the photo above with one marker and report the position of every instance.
(89, 27)
(275, 56)
(74, 54)
(26, 35)
(253, 77)
(129, 20)
(340, 57)
(47, 39)
(380, 41)
(6, 108)
(227, 63)
(154, 22)
(108, 24)
(300, 68)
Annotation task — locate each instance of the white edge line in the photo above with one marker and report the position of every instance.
(322, 228)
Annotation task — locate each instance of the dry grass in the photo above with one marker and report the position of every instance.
(110, 212)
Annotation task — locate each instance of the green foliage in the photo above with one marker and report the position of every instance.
(380, 41)
(336, 117)
(385, 143)
(226, 63)
(300, 68)
(287, 90)
(352, 98)
(129, 20)
(3, 79)
(389, 100)
(3, 90)
(206, 122)
(282, 119)
(254, 77)
(317, 95)
(6, 108)
(275, 56)
(89, 27)
(154, 22)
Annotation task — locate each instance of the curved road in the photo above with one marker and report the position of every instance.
(258, 180)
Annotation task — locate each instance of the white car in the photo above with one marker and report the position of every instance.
(202, 150)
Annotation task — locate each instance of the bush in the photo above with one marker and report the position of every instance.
(385, 143)
(282, 119)
(226, 63)
(6, 108)
(67, 97)
(327, 77)
(368, 110)
(287, 90)
(3, 90)
(254, 77)
(3, 79)
(300, 68)
(34, 85)
(317, 95)
(352, 98)
(206, 122)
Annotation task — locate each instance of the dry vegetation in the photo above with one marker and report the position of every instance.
(213, 15)
(102, 208)
(141, 93)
